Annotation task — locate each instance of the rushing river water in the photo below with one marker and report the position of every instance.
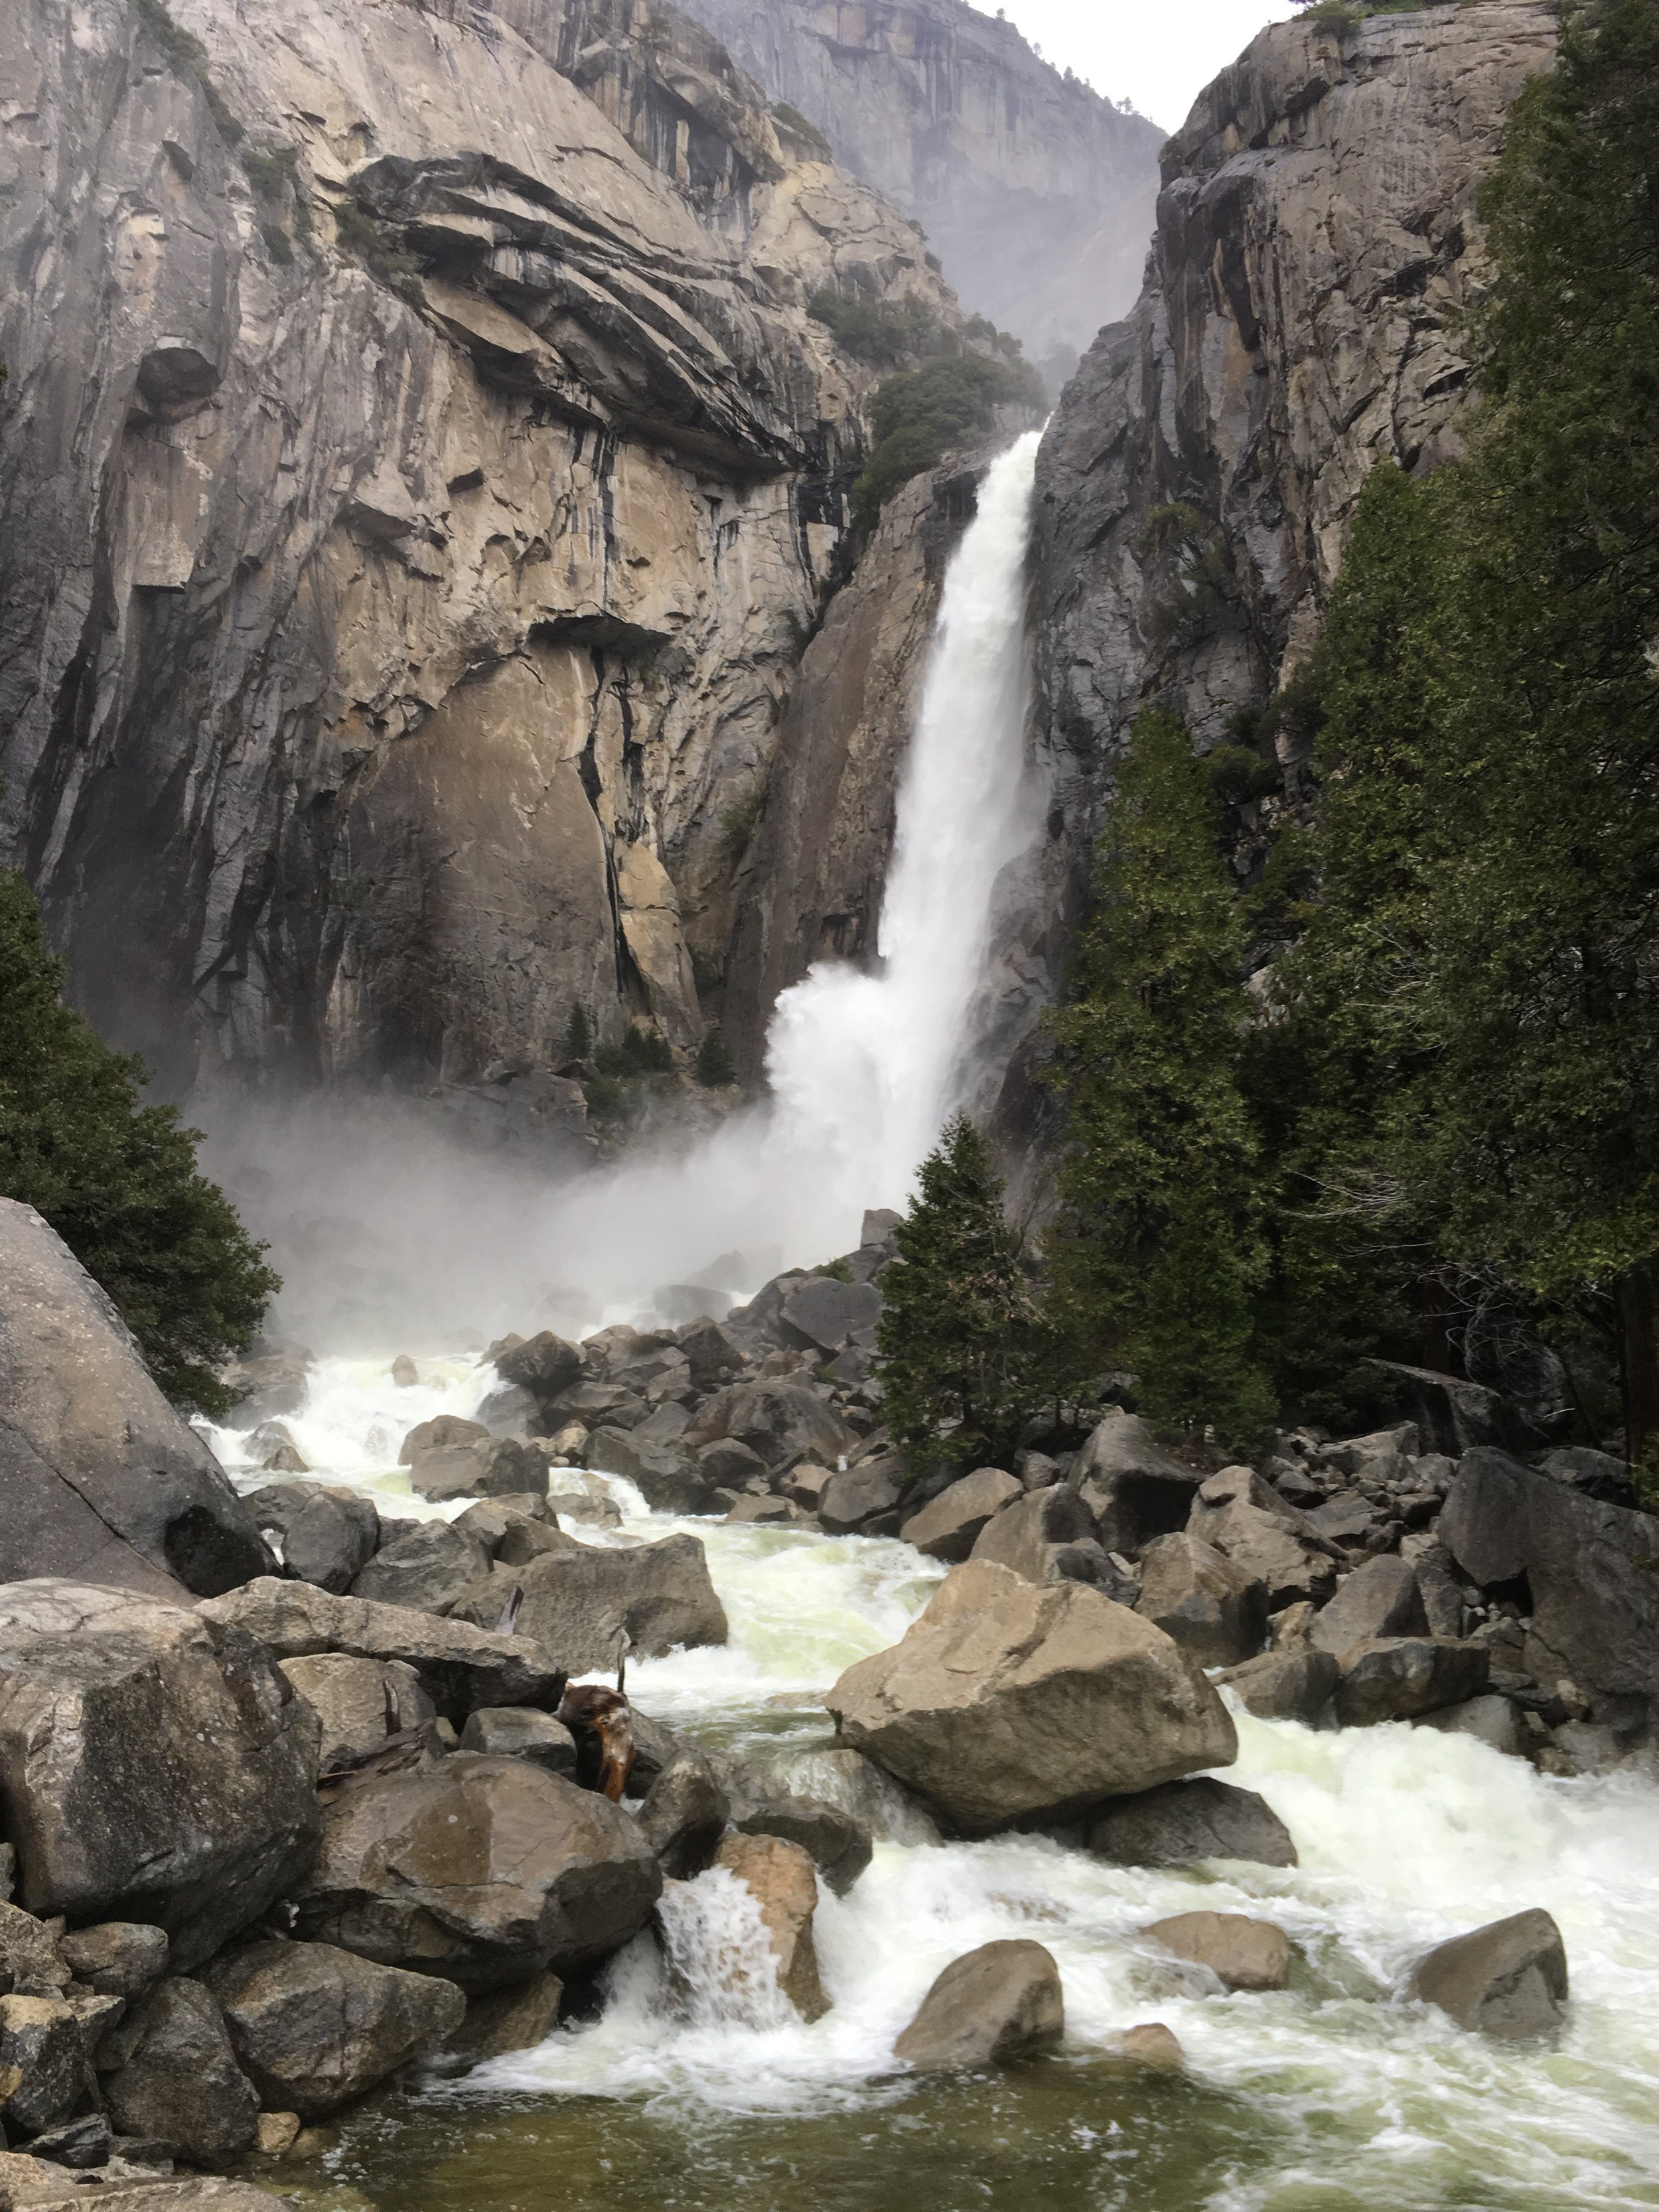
(1326, 2095)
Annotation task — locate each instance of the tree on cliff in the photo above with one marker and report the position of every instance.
(1158, 1244)
(117, 1179)
(957, 1334)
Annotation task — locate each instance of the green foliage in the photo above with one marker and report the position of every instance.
(883, 332)
(958, 1334)
(1158, 1244)
(642, 1052)
(798, 127)
(117, 1179)
(1239, 776)
(359, 235)
(578, 1034)
(714, 1068)
(838, 1271)
(919, 416)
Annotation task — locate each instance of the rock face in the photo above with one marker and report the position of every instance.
(1036, 191)
(1001, 2003)
(103, 1479)
(476, 670)
(1508, 1979)
(485, 1871)
(314, 2026)
(1007, 1699)
(152, 1760)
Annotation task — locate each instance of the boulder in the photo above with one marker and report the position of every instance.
(1151, 2045)
(1185, 1821)
(1454, 1416)
(1379, 1598)
(1490, 1720)
(712, 1354)
(179, 2082)
(1397, 1678)
(29, 1955)
(666, 1475)
(880, 1807)
(484, 1870)
(1443, 1599)
(424, 1447)
(544, 1365)
(1508, 1979)
(1286, 1685)
(521, 1732)
(497, 1466)
(359, 1703)
(728, 1465)
(684, 1815)
(103, 1481)
(314, 2026)
(1268, 1539)
(780, 1876)
(1210, 1606)
(529, 1540)
(460, 1666)
(117, 1958)
(404, 1373)
(782, 1420)
(947, 1527)
(782, 1512)
(1592, 1474)
(492, 1520)
(990, 2007)
(426, 1566)
(79, 2144)
(595, 1406)
(805, 1485)
(1594, 1600)
(575, 1602)
(838, 1843)
(1134, 1488)
(153, 1759)
(327, 1535)
(1025, 1536)
(1242, 1953)
(505, 2020)
(1009, 1699)
(858, 1495)
(42, 2062)
(1347, 1520)
(826, 1315)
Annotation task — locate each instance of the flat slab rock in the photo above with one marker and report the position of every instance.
(1001, 2003)
(32, 2181)
(1183, 1822)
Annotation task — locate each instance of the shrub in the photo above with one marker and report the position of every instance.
(918, 416)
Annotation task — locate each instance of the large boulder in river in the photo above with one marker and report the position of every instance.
(102, 1479)
(152, 1762)
(313, 2027)
(948, 1526)
(1134, 1489)
(1009, 1699)
(782, 1420)
(576, 1603)
(1594, 1596)
(1508, 1979)
(427, 1565)
(1182, 1822)
(484, 1870)
(781, 1879)
(854, 1497)
(1029, 1531)
(665, 1473)
(544, 1365)
(460, 1666)
(1212, 1606)
(988, 2008)
(1381, 1598)
(1396, 1678)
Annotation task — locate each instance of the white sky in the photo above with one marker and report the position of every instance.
(1158, 53)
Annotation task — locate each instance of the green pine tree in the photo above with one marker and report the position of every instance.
(957, 1332)
(1158, 1242)
(714, 1068)
(578, 1034)
(117, 1179)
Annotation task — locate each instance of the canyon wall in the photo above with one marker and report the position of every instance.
(1036, 192)
(420, 478)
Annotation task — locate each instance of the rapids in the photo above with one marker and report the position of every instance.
(1326, 2095)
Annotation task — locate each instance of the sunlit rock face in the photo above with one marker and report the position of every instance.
(419, 481)
(1036, 192)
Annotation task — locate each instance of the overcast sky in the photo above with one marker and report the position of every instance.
(1159, 55)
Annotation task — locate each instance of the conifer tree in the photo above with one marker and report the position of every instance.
(714, 1068)
(578, 1034)
(958, 1331)
(117, 1179)
(1158, 1242)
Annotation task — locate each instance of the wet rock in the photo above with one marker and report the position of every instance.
(576, 1602)
(509, 1531)
(179, 2082)
(1508, 1979)
(782, 1510)
(433, 1446)
(1185, 1821)
(1134, 1489)
(103, 1481)
(427, 1567)
(1242, 1953)
(117, 1958)
(359, 1702)
(1151, 2045)
(1398, 1678)
(1026, 1533)
(153, 1759)
(1211, 1607)
(328, 1536)
(521, 1732)
(684, 1815)
(278, 2132)
(780, 1421)
(596, 1405)
(1491, 1719)
(1270, 1540)
(1595, 1601)
(850, 1500)
(989, 2008)
(460, 1666)
(1379, 1598)
(510, 2020)
(780, 1876)
(495, 1467)
(825, 1316)
(484, 1870)
(544, 1364)
(948, 1528)
(42, 2062)
(666, 1475)
(314, 2026)
(839, 1844)
(404, 1373)
(881, 1806)
(1007, 1699)
(79, 2144)
(1286, 1685)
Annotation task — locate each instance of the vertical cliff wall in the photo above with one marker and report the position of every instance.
(1036, 192)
